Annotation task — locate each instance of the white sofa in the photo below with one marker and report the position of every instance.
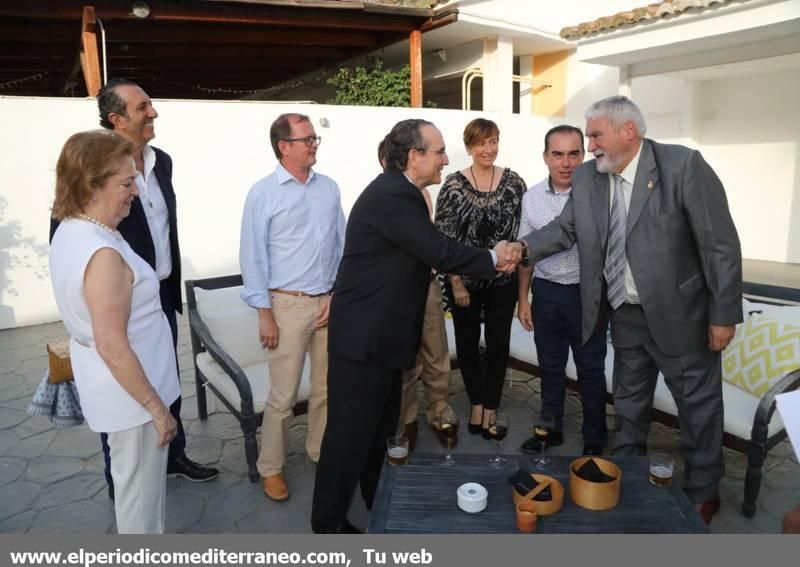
(229, 360)
(751, 423)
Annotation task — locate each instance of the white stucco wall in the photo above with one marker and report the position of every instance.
(749, 130)
(219, 149)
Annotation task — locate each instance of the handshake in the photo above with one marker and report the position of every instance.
(509, 254)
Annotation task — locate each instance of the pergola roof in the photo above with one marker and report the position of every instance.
(194, 49)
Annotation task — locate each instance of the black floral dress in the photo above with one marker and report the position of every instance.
(481, 219)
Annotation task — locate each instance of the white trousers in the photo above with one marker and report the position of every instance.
(139, 469)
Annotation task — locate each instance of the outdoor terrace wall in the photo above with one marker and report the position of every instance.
(219, 150)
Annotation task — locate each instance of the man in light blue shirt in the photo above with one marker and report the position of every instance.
(291, 244)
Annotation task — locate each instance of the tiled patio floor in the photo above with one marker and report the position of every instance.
(51, 481)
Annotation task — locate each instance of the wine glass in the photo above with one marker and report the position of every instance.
(498, 429)
(448, 428)
(542, 432)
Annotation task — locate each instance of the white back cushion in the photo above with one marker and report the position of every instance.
(233, 324)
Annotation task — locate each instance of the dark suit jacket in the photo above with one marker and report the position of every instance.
(136, 232)
(380, 290)
(682, 246)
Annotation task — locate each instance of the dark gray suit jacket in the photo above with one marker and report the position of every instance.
(682, 246)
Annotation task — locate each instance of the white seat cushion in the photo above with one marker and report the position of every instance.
(257, 374)
(740, 406)
(234, 325)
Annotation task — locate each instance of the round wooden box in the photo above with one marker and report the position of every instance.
(547, 507)
(595, 495)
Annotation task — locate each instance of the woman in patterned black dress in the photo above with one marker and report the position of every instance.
(480, 206)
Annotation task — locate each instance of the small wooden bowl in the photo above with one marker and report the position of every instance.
(547, 507)
(595, 495)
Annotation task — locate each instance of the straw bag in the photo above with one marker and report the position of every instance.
(58, 356)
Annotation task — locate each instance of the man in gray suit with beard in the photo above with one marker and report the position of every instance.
(660, 258)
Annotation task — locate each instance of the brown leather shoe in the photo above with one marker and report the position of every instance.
(275, 487)
(708, 509)
(410, 432)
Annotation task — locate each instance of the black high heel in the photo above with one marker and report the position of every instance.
(475, 428)
(485, 430)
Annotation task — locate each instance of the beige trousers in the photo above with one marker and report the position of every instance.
(139, 470)
(297, 334)
(432, 365)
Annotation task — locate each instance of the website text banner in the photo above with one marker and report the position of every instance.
(393, 551)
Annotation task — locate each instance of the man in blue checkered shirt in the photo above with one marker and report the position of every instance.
(556, 311)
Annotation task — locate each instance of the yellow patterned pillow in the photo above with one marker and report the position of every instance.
(761, 353)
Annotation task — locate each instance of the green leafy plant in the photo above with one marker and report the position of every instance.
(375, 86)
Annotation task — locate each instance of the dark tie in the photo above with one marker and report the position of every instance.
(615, 259)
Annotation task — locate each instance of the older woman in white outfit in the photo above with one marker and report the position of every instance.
(121, 347)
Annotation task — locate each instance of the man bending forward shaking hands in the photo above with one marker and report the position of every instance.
(291, 243)
(660, 255)
(377, 312)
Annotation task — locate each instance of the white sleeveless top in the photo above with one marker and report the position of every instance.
(105, 403)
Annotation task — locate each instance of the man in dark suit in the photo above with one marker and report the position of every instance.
(377, 312)
(660, 255)
(151, 229)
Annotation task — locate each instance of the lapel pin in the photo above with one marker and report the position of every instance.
(650, 184)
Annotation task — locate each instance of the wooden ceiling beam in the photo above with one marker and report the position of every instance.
(140, 32)
(203, 12)
(90, 58)
(22, 32)
(223, 51)
(153, 63)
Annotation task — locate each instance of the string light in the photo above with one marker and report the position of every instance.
(17, 82)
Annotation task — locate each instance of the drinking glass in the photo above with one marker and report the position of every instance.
(498, 429)
(397, 450)
(541, 432)
(448, 427)
(661, 468)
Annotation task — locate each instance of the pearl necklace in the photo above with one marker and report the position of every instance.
(115, 233)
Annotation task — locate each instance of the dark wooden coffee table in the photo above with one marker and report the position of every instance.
(420, 497)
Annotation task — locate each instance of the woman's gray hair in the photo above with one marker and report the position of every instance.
(618, 110)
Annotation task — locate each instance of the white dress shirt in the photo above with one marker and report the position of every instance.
(155, 209)
(628, 176)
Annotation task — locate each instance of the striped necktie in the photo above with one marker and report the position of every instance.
(615, 259)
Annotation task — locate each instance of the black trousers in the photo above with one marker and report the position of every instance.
(177, 446)
(557, 328)
(497, 304)
(363, 409)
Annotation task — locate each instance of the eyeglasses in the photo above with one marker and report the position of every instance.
(308, 140)
(441, 152)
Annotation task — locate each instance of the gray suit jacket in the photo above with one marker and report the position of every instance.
(682, 246)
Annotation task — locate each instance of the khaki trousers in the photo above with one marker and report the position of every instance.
(139, 470)
(432, 365)
(296, 318)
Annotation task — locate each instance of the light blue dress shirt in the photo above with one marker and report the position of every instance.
(292, 236)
